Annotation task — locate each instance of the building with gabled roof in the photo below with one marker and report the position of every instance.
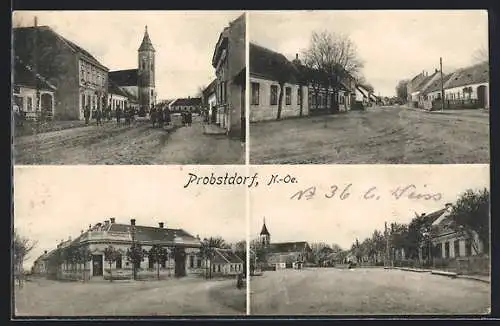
(25, 83)
(226, 263)
(80, 79)
(189, 104)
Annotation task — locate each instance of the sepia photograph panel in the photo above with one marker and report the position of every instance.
(129, 87)
(369, 87)
(126, 241)
(379, 240)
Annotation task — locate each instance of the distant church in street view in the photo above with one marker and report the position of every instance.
(283, 254)
(139, 82)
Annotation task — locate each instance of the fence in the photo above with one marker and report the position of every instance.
(478, 265)
(456, 104)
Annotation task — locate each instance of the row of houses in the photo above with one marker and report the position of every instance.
(185, 249)
(464, 88)
(65, 79)
(279, 84)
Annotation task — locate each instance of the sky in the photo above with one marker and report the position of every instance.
(53, 203)
(394, 45)
(342, 221)
(184, 41)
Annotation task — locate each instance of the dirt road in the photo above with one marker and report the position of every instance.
(128, 298)
(135, 145)
(388, 135)
(364, 291)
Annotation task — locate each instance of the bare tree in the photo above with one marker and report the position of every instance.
(21, 247)
(334, 54)
(481, 55)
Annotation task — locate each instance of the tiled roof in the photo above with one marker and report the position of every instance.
(271, 65)
(436, 84)
(210, 88)
(153, 234)
(51, 47)
(289, 246)
(191, 101)
(25, 76)
(476, 74)
(127, 77)
(131, 97)
(224, 256)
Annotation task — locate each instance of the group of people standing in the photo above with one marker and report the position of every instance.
(128, 113)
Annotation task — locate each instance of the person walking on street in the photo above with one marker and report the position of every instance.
(86, 114)
(98, 117)
(118, 113)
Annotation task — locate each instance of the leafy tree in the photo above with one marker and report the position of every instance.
(111, 255)
(84, 256)
(135, 255)
(401, 90)
(207, 251)
(481, 55)
(471, 215)
(158, 254)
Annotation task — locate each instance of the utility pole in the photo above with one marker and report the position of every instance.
(387, 254)
(442, 84)
(37, 90)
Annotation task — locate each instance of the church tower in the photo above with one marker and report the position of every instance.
(146, 73)
(265, 237)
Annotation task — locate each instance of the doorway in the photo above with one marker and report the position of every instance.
(97, 265)
(46, 105)
(180, 262)
(482, 96)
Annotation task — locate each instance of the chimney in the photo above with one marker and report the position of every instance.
(160, 225)
(112, 219)
(106, 222)
(296, 56)
(45, 251)
(132, 221)
(448, 205)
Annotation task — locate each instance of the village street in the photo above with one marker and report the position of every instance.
(386, 135)
(185, 296)
(365, 291)
(138, 144)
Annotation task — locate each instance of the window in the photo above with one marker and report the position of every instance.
(255, 93)
(439, 250)
(191, 261)
(83, 101)
(119, 262)
(151, 263)
(231, 268)
(213, 268)
(288, 95)
(164, 263)
(198, 263)
(29, 104)
(456, 248)
(218, 268)
(447, 249)
(152, 93)
(274, 95)
(299, 96)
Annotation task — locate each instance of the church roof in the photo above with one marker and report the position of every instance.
(127, 77)
(264, 230)
(146, 44)
(289, 246)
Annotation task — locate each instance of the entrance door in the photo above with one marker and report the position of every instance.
(180, 262)
(481, 96)
(97, 265)
(46, 104)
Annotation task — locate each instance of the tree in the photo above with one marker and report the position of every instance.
(471, 215)
(21, 247)
(111, 255)
(158, 255)
(401, 90)
(320, 252)
(335, 55)
(84, 256)
(135, 255)
(481, 55)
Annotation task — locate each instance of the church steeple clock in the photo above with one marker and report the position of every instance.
(146, 72)
(265, 236)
